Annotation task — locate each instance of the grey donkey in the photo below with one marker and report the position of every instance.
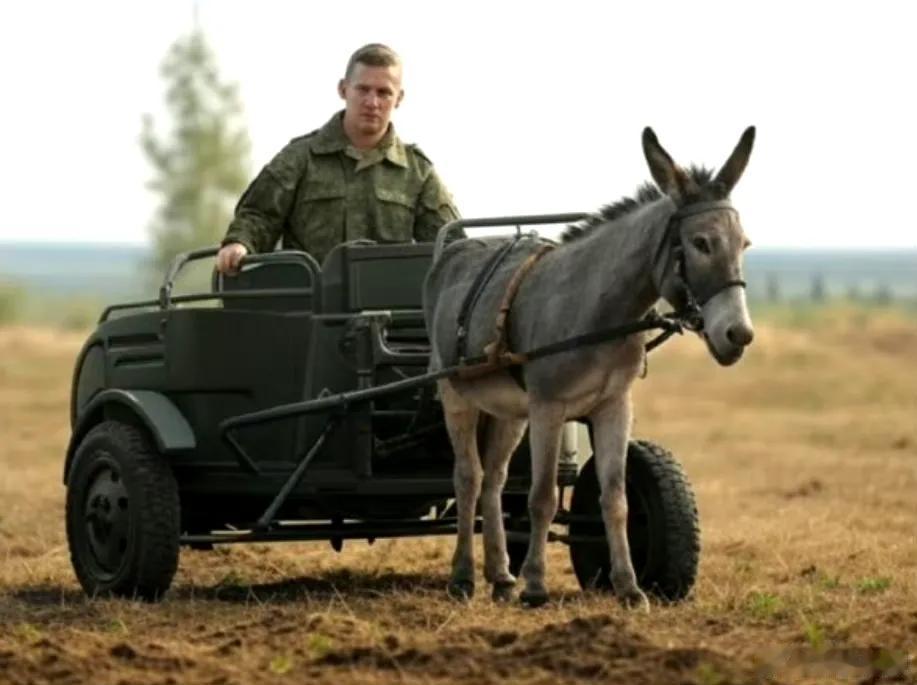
(610, 269)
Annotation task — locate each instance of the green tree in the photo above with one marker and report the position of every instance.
(201, 164)
(818, 292)
(773, 288)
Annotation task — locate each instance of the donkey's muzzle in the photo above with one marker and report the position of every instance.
(740, 335)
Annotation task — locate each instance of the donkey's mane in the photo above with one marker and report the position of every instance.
(646, 193)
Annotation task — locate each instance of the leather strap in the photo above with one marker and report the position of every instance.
(497, 353)
(477, 287)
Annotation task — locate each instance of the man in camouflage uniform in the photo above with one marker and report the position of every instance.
(351, 179)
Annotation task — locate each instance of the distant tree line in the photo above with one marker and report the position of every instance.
(818, 292)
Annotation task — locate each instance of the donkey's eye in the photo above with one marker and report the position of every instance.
(700, 244)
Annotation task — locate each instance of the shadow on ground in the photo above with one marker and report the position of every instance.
(342, 583)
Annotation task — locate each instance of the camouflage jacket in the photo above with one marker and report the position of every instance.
(319, 191)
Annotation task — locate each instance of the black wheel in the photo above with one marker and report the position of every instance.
(662, 525)
(122, 514)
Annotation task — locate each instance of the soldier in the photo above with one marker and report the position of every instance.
(351, 179)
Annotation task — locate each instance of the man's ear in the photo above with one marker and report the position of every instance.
(341, 88)
(399, 98)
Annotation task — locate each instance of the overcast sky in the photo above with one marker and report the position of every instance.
(525, 107)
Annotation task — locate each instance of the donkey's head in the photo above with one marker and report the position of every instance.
(704, 246)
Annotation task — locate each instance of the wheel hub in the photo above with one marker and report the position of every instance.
(107, 516)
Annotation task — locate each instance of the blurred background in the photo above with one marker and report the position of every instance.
(129, 130)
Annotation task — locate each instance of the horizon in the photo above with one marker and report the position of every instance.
(97, 269)
(148, 245)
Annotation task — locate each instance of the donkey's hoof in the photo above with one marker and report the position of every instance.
(503, 591)
(635, 599)
(462, 590)
(533, 600)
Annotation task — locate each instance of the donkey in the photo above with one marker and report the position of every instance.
(682, 244)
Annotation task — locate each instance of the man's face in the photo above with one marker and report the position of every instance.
(371, 94)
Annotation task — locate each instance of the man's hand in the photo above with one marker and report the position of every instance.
(229, 256)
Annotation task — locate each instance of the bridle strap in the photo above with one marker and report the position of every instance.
(701, 208)
(673, 238)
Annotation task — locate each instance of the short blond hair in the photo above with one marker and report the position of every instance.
(372, 55)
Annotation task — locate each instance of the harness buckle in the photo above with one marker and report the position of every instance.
(692, 319)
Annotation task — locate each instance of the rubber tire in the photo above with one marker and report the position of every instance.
(663, 526)
(150, 558)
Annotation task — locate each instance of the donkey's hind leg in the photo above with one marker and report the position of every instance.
(502, 437)
(462, 422)
(611, 431)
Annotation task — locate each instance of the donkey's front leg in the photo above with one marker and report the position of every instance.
(611, 432)
(502, 439)
(546, 425)
(462, 422)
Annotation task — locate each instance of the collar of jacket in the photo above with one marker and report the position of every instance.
(331, 138)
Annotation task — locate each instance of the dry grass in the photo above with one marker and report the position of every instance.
(803, 457)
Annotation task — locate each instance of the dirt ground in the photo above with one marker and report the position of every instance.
(803, 458)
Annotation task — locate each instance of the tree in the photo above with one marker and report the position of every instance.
(773, 288)
(202, 165)
(818, 291)
(883, 295)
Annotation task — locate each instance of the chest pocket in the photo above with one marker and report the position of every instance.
(318, 222)
(315, 192)
(394, 216)
(323, 201)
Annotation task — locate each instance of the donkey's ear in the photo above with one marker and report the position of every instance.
(732, 170)
(671, 179)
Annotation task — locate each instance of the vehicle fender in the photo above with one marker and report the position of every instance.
(166, 424)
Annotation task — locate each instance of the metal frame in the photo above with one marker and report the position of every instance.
(295, 531)
(166, 300)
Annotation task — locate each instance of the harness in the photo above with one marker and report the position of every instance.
(497, 354)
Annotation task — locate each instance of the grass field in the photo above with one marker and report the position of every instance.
(804, 462)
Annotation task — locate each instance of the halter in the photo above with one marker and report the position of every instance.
(691, 313)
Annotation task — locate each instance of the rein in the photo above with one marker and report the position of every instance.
(497, 354)
(481, 365)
